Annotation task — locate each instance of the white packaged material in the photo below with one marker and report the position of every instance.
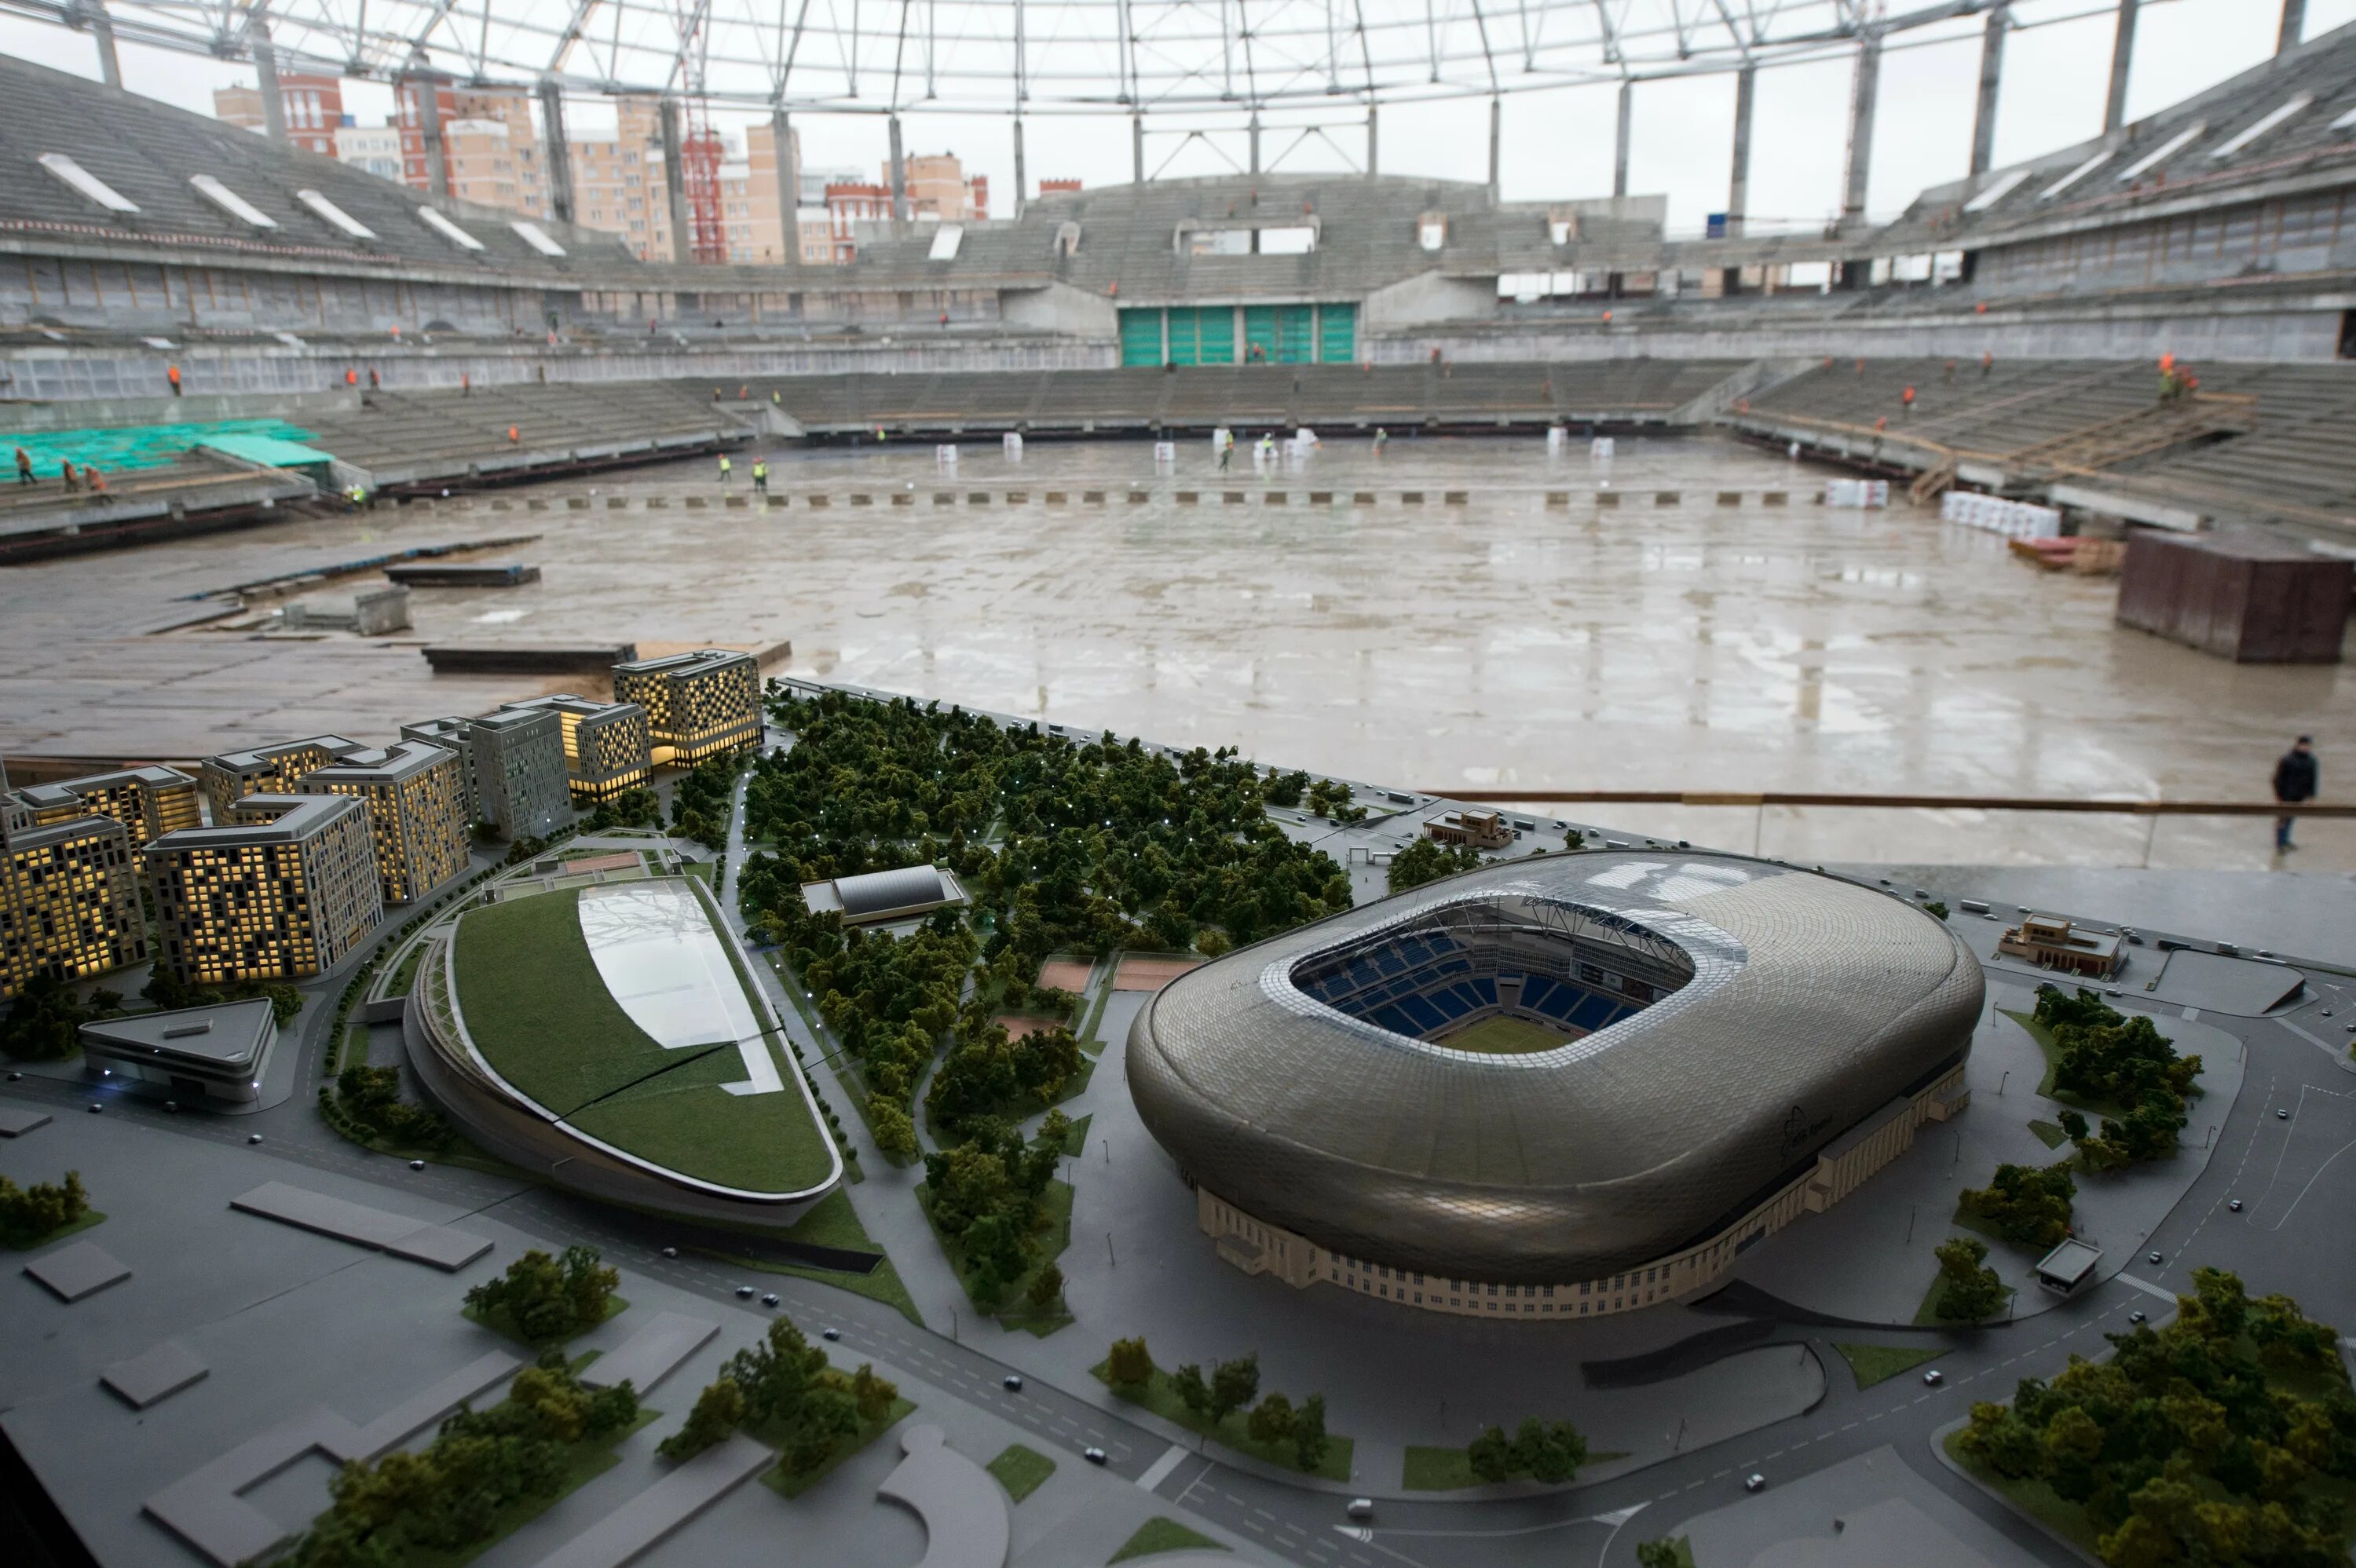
(1013, 446)
(1600, 447)
(946, 455)
(1164, 453)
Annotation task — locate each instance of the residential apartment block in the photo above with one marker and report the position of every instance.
(286, 886)
(69, 897)
(149, 802)
(606, 745)
(314, 107)
(266, 770)
(416, 797)
(698, 705)
(513, 763)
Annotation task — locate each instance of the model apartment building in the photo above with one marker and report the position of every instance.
(69, 897)
(285, 888)
(266, 770)
(698, 705)
(606, 748)
(149, 802)
(512, 761)
(416, 797)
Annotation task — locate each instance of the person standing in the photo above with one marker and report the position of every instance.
(172, 374)
(726, 468)
(1227, 451)
(2294, 779)
(760, 476)
(25, 467)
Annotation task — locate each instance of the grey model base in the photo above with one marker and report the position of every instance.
(157, 1376)
(206, 1508)
(964, 1512)
(662, 1507)
(79, 1270)
(16, 1122)
(651, 1354)
(397, 1234)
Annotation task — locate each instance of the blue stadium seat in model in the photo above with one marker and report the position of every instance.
(1484, 991)
(1393, 1020)
(1451, 1004)
(1535, 990)
(1593, 1013)
(1425, 1015)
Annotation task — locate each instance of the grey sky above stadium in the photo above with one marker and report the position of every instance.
(1555, 66)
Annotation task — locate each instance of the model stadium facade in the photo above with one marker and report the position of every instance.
(1563, 1086)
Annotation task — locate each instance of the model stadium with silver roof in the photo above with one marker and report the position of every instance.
(1551, 1070)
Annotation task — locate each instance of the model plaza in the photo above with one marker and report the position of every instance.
(1073, 784)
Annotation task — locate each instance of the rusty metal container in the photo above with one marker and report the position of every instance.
(2248, 600)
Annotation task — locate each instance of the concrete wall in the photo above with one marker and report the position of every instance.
(1061, 308)
(2306, 332)
(130, 372)
(1425, 298)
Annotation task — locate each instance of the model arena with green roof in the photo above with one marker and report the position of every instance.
(613, 1038)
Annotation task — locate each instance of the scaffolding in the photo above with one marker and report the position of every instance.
(699, 156)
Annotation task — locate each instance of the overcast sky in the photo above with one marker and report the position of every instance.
(1558, 145)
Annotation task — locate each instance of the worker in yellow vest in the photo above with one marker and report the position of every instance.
(726, 468)
(760, 476)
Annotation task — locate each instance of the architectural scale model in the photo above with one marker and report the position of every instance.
(734, 828)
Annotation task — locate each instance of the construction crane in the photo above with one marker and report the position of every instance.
(699, 148)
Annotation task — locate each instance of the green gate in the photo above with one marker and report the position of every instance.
(1141, 338)
(1337, 334)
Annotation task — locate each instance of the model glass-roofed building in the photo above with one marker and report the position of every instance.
(265, 770)
(149, 802)
(286, 887)
(698, 705)
(69, 897)
(416, 798)
(606, 745)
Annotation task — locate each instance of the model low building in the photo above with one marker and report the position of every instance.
(149, 802)
(217, 1053)
(69, 897)
(286, 887)
(879, 896)
(512, 761)
(265, 770)
(698, 705)
(606, 745)
(1480, 829)
(416, 797)
(2049, 941)
(2068, 1267)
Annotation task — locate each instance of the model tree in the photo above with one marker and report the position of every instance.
(1661, 1553)
(29, 1213)
(1130, 1364)
(2026, 1205)
(1271, 1420)
(718, 1411)
(1968, 1291)
(1309, 1440)
(1427, 860)
(543, 1299)
(1192, 1390)
(2227, 1437)
(1234, 1385)
(1545, 1450)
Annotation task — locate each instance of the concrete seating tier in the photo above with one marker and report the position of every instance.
(1199, 397)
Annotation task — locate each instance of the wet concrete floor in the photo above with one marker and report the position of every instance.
(1501, 643)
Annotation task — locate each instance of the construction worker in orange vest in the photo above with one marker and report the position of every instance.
(351, 377)
(515, 436)
(172, 374)
(1906, 401)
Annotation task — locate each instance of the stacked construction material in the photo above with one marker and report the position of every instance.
(2013, 519)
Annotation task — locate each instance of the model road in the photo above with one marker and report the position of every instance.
(2291, 1173)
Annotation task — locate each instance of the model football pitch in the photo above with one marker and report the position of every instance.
(1500, 1035)
(538, 1010)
